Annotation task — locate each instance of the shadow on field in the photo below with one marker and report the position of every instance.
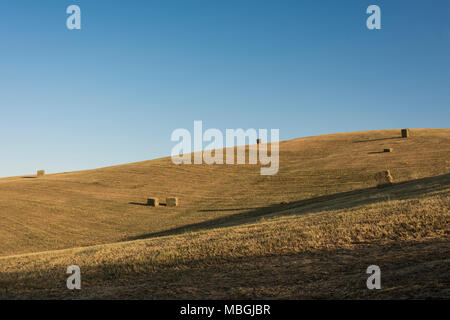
(380, 139)
(324, 274)
(225, 210)
(146, 204)
(342, 200)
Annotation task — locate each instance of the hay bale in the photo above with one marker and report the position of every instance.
(41, 173)
(153, 202)
(405, 133)
(388, 150)
(172, 202)
(384, 179)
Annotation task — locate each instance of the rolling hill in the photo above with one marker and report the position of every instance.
(308, 232)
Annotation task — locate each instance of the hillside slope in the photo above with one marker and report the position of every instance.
(105, 205)
(311, 249)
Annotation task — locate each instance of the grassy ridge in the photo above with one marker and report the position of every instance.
(408, 238)
(103, 205)
(309, 232)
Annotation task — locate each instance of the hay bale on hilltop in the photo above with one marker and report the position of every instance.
(153, 202)
(384, 179)
(405, 133)
(41, 173)
(172, 202)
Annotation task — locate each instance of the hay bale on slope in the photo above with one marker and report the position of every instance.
(384, 179)
(172, 202)
(41, 173)
(405, 133)
(153, 202)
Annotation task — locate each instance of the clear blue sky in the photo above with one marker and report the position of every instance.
(114, 91)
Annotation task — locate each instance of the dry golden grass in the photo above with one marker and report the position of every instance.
(331, 248)
(308, 232)
(102, 206)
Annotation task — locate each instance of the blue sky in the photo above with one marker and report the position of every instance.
(114, 91)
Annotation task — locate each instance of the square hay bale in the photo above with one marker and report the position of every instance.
(172, 202)
(405, 133)
(388, 150)
(384, 179)
(153, 202)
(41, 173)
